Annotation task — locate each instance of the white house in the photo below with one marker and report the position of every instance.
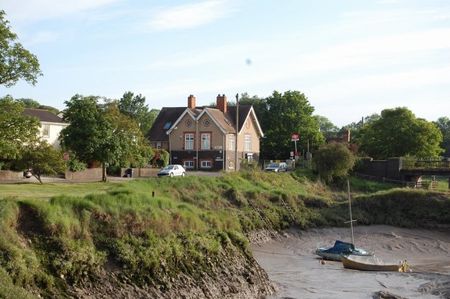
(51, 125)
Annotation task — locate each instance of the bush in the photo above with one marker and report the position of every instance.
(333, 160)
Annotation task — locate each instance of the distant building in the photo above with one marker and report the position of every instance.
(51, 125)
(205, 137)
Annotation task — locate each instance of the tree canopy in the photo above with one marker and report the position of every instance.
(328, 129)
(444, 125)
(100, 132)
(15, 61)
(134, 107)
(16, 129)
(42, 159)
(398, 133)
(288, 113)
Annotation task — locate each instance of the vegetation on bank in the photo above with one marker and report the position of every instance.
(190, 225)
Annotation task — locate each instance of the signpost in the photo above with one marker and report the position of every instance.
(295, 137)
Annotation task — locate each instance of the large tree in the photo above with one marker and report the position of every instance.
(15, 61)
(134, 107)
(16, 129)
(288, 113)
(100, 132)
(444, 125)
(398, 133)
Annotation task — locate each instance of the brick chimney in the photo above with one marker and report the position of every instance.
(191, 102)
(221, 103)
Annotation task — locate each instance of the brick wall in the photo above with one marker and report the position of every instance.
(90, 174)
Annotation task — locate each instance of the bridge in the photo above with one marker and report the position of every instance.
(405, 169)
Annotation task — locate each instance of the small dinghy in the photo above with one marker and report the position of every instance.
(372, 264)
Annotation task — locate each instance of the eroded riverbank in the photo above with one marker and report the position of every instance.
(291, 264)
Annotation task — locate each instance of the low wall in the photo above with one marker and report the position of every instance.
(8, 175)
(90, 174)
(139, 172)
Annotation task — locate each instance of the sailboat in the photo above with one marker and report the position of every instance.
(340, 248)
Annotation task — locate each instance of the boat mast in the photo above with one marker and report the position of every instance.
(350, 211)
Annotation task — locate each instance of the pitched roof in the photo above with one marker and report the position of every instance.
(222, 119)
(169, 115)
(43, 115)
(166, 117)
(244, 110)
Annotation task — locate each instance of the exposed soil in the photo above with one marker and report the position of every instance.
(237, 276)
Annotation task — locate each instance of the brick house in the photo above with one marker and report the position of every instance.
(205, 137)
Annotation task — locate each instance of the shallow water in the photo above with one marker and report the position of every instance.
(293, 267)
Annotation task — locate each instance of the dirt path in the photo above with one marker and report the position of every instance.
(291, 264)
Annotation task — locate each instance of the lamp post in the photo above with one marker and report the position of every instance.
(237, 132)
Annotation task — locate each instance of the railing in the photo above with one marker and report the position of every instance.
(425, 164)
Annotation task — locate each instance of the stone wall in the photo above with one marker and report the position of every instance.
(90, 174)
(8, 175)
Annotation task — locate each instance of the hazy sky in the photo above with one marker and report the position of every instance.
(350, 58)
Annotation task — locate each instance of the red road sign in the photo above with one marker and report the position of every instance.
(295, 137)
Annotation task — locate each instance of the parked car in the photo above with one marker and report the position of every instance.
(172, 170)
(276, 167)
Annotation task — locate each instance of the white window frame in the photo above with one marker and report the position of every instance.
(188, 164)
(250, 157)
(45, 130)
(205, 164)
(205, 141)
(247, 142)
(231, 143)
(189, 139)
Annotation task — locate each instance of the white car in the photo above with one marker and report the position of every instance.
(276, 167)
(172, 170)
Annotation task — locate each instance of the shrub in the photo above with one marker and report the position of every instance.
(333, 160)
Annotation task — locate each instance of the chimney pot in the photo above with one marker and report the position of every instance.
(221, 103)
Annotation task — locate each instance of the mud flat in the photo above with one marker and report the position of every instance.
(291, 264)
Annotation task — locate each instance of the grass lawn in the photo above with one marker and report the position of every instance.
(48, 190)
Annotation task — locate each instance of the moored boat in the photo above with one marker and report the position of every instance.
(340, 249)
(372, 264)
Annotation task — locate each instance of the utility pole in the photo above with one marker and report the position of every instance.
(237, 132)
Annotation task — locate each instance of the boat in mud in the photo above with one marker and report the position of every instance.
(372, 264)
(342, 249)
(339, 250)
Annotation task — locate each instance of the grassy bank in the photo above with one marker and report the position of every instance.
(189, 227)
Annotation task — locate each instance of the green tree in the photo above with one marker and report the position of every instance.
(42, 159)
(134, 107)
(289, 113)
(16, 129)
(328, 129)
(15, 61)
(332, 161)
(444, 125)
(399, 133)
(101, 133)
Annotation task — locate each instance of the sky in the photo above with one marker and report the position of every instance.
(351, 58)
